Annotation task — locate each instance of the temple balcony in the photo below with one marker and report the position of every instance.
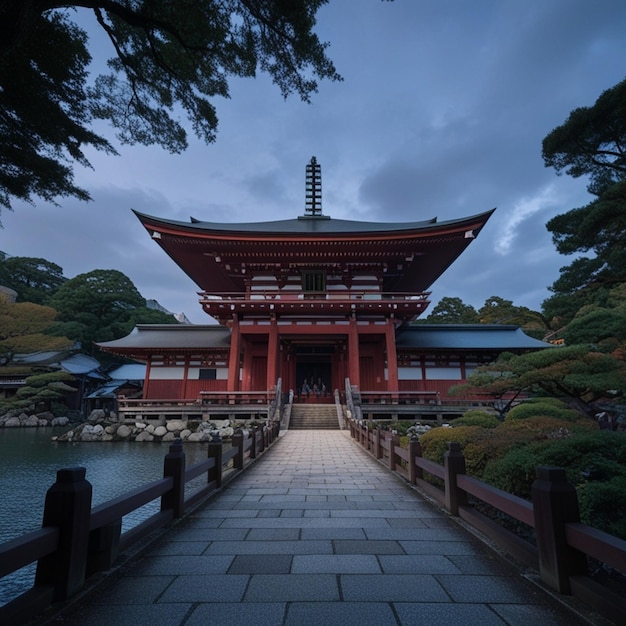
(403, 306)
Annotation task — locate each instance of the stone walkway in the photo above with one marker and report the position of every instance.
(316, 532)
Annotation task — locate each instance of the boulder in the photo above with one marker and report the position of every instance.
(174, 425)
(200, 436)
(168, 437)
(97, 415)
(91, 432)
(123, 431)
(150, 429)
(144, 436)
(60, 421)
(140, 425)
(184, 434)
(31, 420)
(160, 431)
(46, 415)
(12, 422)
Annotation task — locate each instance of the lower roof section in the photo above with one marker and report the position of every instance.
(147, 338)
(466, 337)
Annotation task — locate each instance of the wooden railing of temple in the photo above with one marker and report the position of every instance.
(215, 404)
(77, 541)
(563, 545)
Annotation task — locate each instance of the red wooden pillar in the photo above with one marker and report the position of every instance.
(353, 354)
(272, 354)
(185, 377)
(392, 357)
(146, 382)
(233, 360)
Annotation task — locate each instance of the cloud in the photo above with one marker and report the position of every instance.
(441, 113)
(524, 210)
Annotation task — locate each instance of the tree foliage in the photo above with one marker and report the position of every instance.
(578, 373)
(168, 57)
(44, 107)
(101, 305)
(41, 391)
(22, 330)
(452, 311)
(592, 143)
(34, 279)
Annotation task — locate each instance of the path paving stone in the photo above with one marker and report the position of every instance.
(317, 532)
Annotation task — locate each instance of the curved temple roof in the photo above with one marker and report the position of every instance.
(410, 255)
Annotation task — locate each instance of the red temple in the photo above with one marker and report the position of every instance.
(313, 302)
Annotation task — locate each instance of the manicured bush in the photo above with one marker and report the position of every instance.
(595, 462)
(603, 505)
(547, 409)
(477, 418)
(435, 441)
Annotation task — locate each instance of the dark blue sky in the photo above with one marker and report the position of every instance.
(442, 113)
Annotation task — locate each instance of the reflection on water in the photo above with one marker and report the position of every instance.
(29, 461)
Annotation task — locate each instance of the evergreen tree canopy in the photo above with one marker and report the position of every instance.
(168, 57)
(452, 311)
(100, 306)
(34, 280)
(592, 142)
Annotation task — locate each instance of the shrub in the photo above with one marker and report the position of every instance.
(477, 418)
(435, 441)
(548, 409)
(595, 462)
(603, 505)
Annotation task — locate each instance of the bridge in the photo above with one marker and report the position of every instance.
(316, 530)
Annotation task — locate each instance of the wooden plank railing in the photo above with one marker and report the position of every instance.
(77, 540)
(562, 543)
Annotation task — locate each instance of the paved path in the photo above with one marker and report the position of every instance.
(317, 532)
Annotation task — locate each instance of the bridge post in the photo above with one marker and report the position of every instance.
(415, 449)
(216, 451)
(555, 503)
(68, 506)
(454, 464)
(252, 434)
(174, 466)
(378, 452)
(104, 546)
(238, 441)
(392, 452)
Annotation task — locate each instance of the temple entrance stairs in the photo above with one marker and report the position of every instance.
(313, 417)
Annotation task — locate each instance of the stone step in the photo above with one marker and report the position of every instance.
(314, 417)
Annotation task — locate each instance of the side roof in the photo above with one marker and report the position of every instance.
(147, 338)
(467, 337)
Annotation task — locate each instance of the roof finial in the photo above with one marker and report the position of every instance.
(313, 206)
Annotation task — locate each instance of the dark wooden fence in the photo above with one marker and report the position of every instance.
(76, 540)
(557, 544)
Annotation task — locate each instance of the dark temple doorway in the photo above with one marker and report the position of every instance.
(314, 373)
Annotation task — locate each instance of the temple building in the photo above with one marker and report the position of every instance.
(306, 304)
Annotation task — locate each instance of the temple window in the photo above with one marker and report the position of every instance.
(313, 281)
(206, 373)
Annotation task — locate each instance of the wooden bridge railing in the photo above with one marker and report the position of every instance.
(562, 544)
(76, 540)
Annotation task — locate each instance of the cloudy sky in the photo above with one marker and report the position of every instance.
(442, 113)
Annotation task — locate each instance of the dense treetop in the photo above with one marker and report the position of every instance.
(166, 57)
(592, 143)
